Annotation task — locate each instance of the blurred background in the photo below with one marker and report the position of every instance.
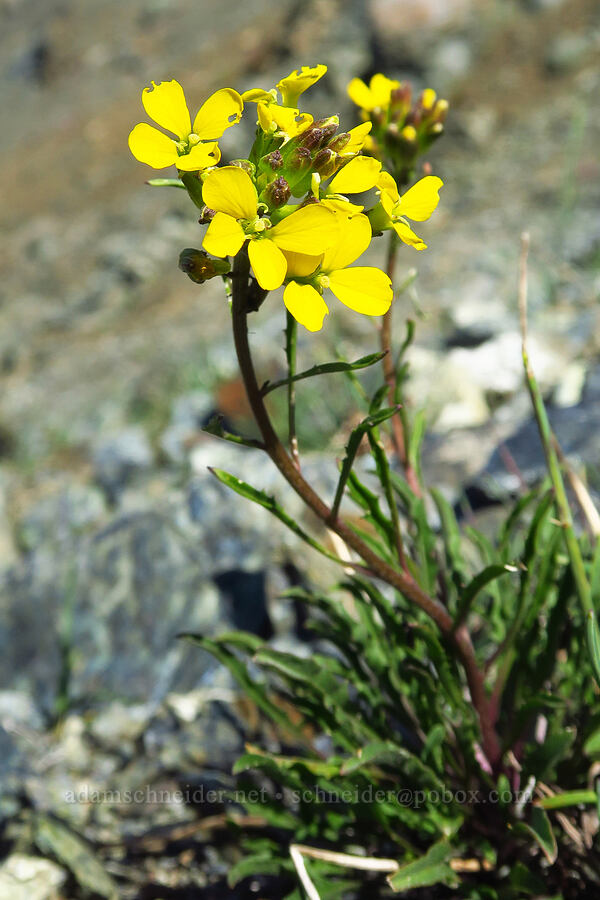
(114, 537)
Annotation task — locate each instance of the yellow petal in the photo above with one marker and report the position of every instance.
(359, 93)
(152, 147)
(344, 207)
(289, 121)
(202, 156)
(421, 199)
(357, 140)
(381, 90)
(256, 94)
(265, 119)
(407, 235)
(355, 237)
(388, 204)
(310, 230)
(165, 103)
(359, 175)
(224, 236)
(364, 289)
(298, 81)
(219, 112)
(306, 305)
(300, 264)
(387, 185)
(268, 262)
(230, 190)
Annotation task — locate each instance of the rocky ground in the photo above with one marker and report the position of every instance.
(114, 536)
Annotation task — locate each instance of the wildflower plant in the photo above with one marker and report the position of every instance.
(449, 707)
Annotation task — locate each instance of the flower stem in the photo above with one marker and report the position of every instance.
(399, 436)
(290, 352)
(401, 581)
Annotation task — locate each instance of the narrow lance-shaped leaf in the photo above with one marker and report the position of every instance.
(352, 446)
(215, 427)
(325, 369)
(540, 828)
(433, 868)
(264, 500)
(166, 182)
(489, 574)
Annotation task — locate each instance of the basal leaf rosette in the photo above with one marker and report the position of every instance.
(231, 193)
(364, 289)
(195, 148)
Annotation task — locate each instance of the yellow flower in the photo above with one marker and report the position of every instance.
(195, 148)
(299, 81)
(417, 203)
(230, 191)
(275, 119)
(376, 96)
(358, 138)
(360, 174)
(364, 289)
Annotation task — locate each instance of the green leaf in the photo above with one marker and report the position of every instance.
(430, 869)
(215, 427)
(568, 798)
(256, 692)
(540, 828)
(166, 182)
(352, 446)
(264, 500)
(489, 574)
(593, 641)
(325, 369)
(256, 864)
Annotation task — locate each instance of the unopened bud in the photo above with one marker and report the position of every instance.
(400, 101)
(300, 159)
(409, 133)
(244, 164)
(440, 111)
(277, 193)
(311, 138)
(338, 143)
(274, 160)
(206, 215)
(199, 266)
(325, 162)
(428, 98)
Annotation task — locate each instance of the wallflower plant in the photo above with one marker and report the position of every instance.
(446, 667)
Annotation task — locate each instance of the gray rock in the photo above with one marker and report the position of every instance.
(30, 878)
(119, 458)
(189, 414)
(117, 602)
(61, 516)
(567, 51)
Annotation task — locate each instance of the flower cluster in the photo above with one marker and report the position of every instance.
(290, 204)
(402, 127)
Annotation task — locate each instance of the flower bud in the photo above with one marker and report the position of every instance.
(338, 143)
(325, 162)
(199, 266)
(206, 215)
(244, 164)
(277, 193)
(274, 160)
(440, 111)
(300, 159)
(400, 101)
(311, 138)
(428, 98)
